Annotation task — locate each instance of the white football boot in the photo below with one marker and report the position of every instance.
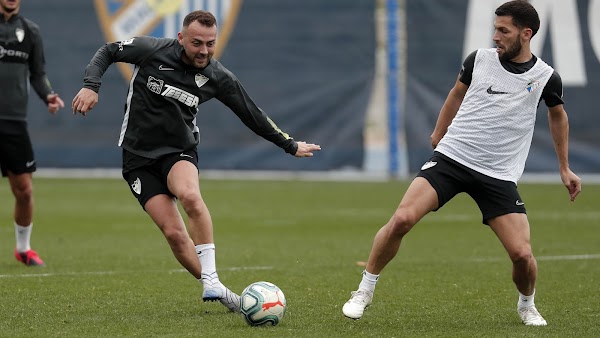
(218, 291)
(358, 302)
(530, 316)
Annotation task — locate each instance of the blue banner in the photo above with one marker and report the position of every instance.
(308, 64)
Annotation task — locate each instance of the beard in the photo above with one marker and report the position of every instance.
(8, 10)
(511, 52)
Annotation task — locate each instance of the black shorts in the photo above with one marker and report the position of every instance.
(493, 196)
(148, 177)
(16, 152)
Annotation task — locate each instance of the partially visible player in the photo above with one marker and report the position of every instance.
(481, 141)
(159, 135)
(21, 63)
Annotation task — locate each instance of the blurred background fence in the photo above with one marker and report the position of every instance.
(363, 78)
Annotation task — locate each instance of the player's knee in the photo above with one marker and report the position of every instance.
(522, 255)
(401, 223)
(192, 203)
(23, 193)
(175, 236)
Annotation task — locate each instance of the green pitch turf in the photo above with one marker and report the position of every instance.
(110, 273)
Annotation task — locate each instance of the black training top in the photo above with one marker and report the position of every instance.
(553, 90)
(164, 94)
(21, 61)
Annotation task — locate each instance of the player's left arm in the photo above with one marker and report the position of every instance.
(559, 129)
(37, 73)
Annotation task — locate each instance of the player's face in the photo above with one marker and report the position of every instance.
(198, 43)
(507, 38)
(9, 6)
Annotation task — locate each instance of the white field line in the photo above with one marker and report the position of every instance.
(105, 273)
(544, 258)
(330, 175)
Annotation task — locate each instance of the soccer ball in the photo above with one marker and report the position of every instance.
(262, 303)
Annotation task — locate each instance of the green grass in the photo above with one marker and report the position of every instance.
(110, 273)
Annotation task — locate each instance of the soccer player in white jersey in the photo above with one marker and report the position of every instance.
(481, 141)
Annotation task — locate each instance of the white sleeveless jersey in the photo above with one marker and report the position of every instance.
(491, 132)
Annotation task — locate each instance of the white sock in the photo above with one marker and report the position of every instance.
(525, 301)
(23, 235)
(206, 256)
(368, 281)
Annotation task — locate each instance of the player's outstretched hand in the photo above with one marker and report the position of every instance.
(54, 103)
(572, 182)
(84, 101)
(306, 149)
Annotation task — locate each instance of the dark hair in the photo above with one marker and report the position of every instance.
(203, 17)
(523, 14)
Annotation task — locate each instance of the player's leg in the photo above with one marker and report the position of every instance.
(148, 187)
(419, 199)
(163, 211)
(22, 188)
(513, 231)
(183, 182)
(504, 211)
(18, 164)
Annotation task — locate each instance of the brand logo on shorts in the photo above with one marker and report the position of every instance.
(29, 164)
(121, 20)
(428, 165)
(518, 202)
(185, 155)
(137, 186)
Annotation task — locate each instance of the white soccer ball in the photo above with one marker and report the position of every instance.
(263, 303)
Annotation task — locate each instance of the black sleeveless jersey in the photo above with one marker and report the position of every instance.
(164, 95)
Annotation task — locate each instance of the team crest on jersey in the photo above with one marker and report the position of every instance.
(532, 86)
(123, 19)
(200, 80)
(20, 33)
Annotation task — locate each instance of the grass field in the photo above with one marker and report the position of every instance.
(110, 273)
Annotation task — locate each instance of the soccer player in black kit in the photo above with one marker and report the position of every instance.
(21, 63)
(159, 134)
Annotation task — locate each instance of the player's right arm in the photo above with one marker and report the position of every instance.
(454, 100)
(448, 111)
(133, 51)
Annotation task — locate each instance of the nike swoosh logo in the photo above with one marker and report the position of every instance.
(428, 165)
(29, 164)
(165, 68)
(185, 155)
(491, 91)
(519, 203)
